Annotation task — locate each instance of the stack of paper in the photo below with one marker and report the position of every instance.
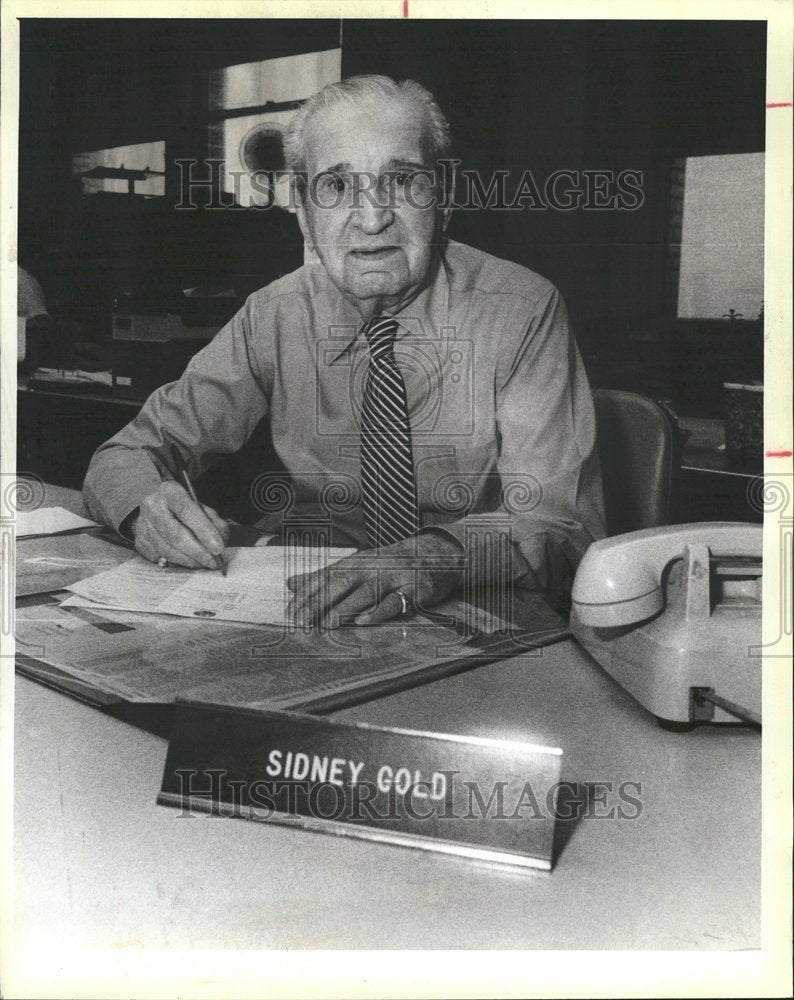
(254, 589)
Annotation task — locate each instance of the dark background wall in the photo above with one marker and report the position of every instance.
(537, 95)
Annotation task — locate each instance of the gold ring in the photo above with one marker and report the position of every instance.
(406, 604)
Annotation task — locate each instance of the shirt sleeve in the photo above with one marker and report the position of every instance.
(551, 498)
(210, 411)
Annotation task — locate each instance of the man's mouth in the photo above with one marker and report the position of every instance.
(376, 253)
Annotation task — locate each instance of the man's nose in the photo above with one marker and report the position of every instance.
(373, 213)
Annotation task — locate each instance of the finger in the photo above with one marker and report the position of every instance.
(144, 547)
(316, 602)
(301, 591)
(348, 611)
(153, 546)
(222, 526)
(144, 544)
(303, 587)
(192, 516)
(181, 540)
(170, 553)
(308, 598)
(390, 607)
(304, 580)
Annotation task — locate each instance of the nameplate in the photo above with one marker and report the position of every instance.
(487, 799)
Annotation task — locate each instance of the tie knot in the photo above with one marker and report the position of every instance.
(380, 334)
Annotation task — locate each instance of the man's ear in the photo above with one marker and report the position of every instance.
(307, 239)
(300, 212)
(449, 168)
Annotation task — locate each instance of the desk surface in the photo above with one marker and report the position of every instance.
(99, 864)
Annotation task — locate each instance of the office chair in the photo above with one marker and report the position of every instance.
(640, 453)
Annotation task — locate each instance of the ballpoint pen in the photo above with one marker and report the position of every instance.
(181, 472)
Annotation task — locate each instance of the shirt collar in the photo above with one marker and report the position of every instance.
(423, 317)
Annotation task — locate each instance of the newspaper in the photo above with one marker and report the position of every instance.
(148, 658)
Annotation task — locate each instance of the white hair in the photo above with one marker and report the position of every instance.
(358, 90)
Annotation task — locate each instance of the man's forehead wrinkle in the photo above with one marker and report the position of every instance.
(367, 137)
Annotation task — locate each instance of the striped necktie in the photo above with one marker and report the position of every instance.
(388, 485)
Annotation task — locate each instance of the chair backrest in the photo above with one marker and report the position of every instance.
(640, 453)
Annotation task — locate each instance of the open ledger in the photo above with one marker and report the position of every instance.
(158, 648)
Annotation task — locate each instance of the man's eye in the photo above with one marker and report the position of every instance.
(400, 178)
(333, 182)
(416, 181)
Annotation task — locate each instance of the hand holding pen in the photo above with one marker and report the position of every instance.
(173, 527)
(220, 562)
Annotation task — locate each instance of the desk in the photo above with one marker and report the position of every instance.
(99, 864)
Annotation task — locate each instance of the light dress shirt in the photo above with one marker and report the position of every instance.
(502, 419)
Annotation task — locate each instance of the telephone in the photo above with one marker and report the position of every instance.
(674, 615)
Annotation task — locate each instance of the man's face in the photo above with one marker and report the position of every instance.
(366, 211)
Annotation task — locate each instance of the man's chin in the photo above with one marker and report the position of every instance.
(375, 285)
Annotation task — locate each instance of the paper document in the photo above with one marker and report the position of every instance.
(254, 590)
(49, 521)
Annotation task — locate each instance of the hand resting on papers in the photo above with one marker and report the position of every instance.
(170, 525)
(362, 588)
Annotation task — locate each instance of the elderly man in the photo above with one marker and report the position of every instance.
(435, 385)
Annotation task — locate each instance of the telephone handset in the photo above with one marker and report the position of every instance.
(674, 615)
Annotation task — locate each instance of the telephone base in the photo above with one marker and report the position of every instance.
(660, 663)
(696, 658)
